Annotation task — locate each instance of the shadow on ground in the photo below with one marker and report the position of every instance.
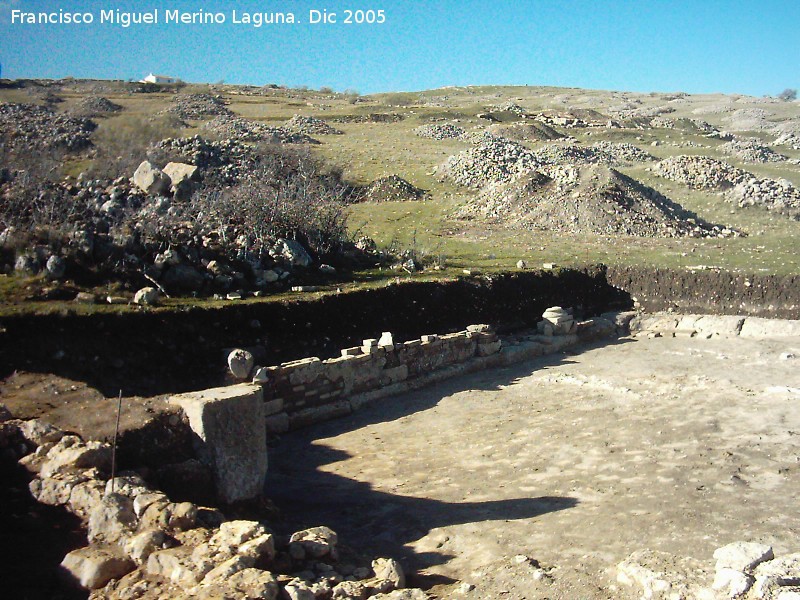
(381, 523)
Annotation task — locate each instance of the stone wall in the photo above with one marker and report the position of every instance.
(306, 391)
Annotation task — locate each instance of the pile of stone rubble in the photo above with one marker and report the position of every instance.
(393, 189)
(700, 172)
(496, 160)
(788, 139)
(229, 157)
(310, 126)
(95, 106)
(490, 161)
(29, 127)
(143, 545)
(745, 570)
(778, 195)
(229, 127)
(751, 151)
(198, 106)
(589, 198)
(442, 131)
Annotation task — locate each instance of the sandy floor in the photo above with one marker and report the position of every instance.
(575, 461)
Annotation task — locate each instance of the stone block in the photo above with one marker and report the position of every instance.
(94, 567)
(230, 424)
(754, 327)
(489, 348)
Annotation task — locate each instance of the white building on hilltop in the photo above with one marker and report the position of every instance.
(159, 79)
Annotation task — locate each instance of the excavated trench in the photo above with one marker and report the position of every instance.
(149, 353)
(153, 352)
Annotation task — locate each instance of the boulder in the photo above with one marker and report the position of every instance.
(240, 363)
(143, 544)
(26, 265)
(180, 172)
(742, 556)
(247, 583)
(147, 296)
(38, 432)
(94, 567)
(151, 180)
(293, 253)
(316, 541)
(56, 267)
(388, 569)
(112, 520)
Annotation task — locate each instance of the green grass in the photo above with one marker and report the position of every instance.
(368, 151)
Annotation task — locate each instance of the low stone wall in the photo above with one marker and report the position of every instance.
(709, 326)
(303, 392)
(310, 390)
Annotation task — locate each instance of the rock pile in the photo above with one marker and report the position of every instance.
(615, 152)
(310, 126)
(392, 189)
(490, 161)
(752, 151)
(527, 131)
(585, 199)
(442, 131)
(29, 127)
(198, 106)
(778, 195)
(700, 172)
(143, 545)
(788, 139)
(230, 127)
(95, 106)
(742, 570)
(511, 107)
(229, 158)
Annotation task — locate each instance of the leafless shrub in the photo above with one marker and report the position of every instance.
(287, 195)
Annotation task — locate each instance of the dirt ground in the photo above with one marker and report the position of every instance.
(534, 481)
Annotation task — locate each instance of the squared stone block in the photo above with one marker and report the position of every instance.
(229, 423)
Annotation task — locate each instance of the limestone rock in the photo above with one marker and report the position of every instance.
(147, 296)
(247, 583)
(350, 590)
(56, 490)
(390, 570)
(742, 556)
(94, 567)
(316, 541)
(38, 432)
(228, 568)
(408, 594)
(734, 583)
(112, 520)
(386, 340)
(78, 455)
(240, 363)
(150, 179)
(180, 172)
(293, 253)
(231, 437)
(56, 267)
(143, 544)
(85, 496)
(776, 573)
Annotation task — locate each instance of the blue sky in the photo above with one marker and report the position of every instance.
(692, 46)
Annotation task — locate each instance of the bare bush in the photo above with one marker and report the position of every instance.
(788, 95)
(286, 196)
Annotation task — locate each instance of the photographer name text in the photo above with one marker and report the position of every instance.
(158, 16)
